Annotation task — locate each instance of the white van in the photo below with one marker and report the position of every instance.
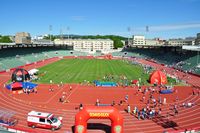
(44, 120)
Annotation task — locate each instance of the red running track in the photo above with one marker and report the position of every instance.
(49, 102)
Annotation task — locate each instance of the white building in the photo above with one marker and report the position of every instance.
(138, 40)
(197, 41)
(155, 41)
(22, 38)
(87, 45)
(152, 42)
(181, 42)
(39, 37)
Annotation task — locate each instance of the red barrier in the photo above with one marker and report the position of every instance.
(28, 64)
(12, 69)
(194, 74)
(3, 71)
(101, 113)
(69, 57)
(153, 61)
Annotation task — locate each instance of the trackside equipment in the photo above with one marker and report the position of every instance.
(43, 120)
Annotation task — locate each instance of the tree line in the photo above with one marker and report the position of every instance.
(5, 39)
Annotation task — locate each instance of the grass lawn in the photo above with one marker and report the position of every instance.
(79, 70)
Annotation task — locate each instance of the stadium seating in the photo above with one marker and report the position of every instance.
(10, 58)
(186, 62)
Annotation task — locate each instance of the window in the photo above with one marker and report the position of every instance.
(49, 121)
(42, 120)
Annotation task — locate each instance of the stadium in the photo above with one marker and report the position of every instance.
(137, 89)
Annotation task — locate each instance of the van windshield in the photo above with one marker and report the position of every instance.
(53, 119)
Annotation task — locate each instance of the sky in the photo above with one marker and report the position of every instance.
(152, 18)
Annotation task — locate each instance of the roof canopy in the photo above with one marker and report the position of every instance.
(33, 71)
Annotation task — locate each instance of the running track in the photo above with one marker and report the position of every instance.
(48, 102)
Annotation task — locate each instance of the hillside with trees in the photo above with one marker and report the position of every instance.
(5, 39)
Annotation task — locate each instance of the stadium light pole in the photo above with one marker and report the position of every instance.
(68, 28)
(61, 35)
(197, 57)
(50, 29)
(128, 29)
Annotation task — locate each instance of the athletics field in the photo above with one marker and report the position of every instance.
(88, 70)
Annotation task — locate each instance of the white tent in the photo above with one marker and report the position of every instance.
(33, 71)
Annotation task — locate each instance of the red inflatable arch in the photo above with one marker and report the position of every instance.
(158, 77)
(97, 112)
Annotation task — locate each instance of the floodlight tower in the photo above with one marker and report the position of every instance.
(61, 35)
(68, 28)
(50, 29)
(128, 29)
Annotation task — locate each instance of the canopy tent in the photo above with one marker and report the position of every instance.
(14, 86)
(20, 85)
(158, 77)
(20, 75)
(29, 85)
(33, 71)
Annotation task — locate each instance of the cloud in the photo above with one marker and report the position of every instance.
(78, 18)
(169, 27)
(189, 0)
(175, 27)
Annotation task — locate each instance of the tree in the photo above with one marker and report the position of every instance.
(52, 37)
(117, 43)
(5, 39)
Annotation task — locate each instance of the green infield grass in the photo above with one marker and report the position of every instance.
(88, 70)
